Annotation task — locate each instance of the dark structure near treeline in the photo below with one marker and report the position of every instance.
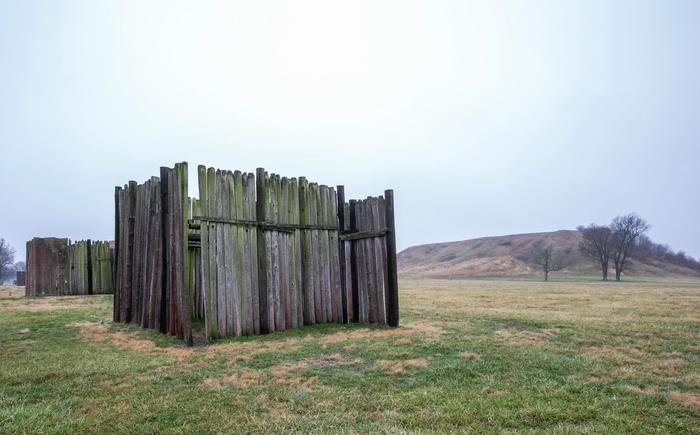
(55, 266)
(255, 253)
(21, 278)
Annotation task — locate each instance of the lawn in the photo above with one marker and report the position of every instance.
(476, 355)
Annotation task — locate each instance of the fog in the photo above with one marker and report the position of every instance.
(486, 118)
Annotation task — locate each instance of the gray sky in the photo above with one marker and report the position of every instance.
(486, 117)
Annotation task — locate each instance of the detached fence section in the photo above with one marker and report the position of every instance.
(255, 253)
(21, 278)
(57, 267)
(46, 266)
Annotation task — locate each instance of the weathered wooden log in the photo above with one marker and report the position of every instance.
(392, 295)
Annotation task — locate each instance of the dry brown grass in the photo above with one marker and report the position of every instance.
(613, 303)
(397, 367)
(284, 374)
(515, 336)
(470, 356)
(43, 304)
(97, 332)
(691, 400)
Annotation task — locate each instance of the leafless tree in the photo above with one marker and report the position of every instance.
(547, 261)
(626, 232)
(597, 245)
(7, 259)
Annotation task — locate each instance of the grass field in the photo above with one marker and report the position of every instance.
(478, 355)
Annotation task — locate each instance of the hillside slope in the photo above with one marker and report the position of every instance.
(510, 256)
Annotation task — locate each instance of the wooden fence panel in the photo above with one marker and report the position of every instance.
(150, 247)
(282, 293)
(228, 253)
(369, 245)
(59, 267)
(101, 267)
(254, 254)
(46, 267)
(77, 267)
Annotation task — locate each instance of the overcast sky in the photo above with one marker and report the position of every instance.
(486, 117)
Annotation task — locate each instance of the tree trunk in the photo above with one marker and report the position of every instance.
(604, 270)
(546, 275)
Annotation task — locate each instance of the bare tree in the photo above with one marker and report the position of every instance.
(7, 259)
(626, 233)
(597, 245)
(546, 260)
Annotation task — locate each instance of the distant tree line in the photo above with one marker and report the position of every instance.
(625, 238)
(649, 251)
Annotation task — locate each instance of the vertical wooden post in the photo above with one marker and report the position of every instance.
(165, 214)
(29, 281)
(115, 269)
(341, 252)
(179, 174)
(353, 264)
(262, 257)
(88, 254)
(392, 296)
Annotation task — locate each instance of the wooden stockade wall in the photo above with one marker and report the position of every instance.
(150, 246)
(255, 253)
(56, 266)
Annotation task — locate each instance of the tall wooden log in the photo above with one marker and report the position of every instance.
(392, 295)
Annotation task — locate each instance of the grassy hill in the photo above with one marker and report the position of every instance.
(511, 256)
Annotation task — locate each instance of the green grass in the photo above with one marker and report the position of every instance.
(480, 355)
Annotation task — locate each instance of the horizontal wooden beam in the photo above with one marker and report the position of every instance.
(270, 226)
(356, 235)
